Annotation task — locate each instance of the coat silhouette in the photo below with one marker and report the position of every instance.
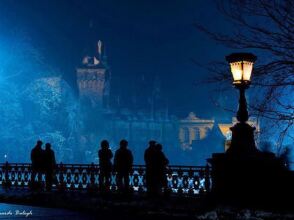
(123, 162)
(162, 162)
(150, 161)
(156, 165)
(49, 165)
(105, 155)
(37, 157)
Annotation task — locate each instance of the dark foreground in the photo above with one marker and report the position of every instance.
(82, 205)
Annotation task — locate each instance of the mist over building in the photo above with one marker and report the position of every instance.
(139, 116)
(108, 106)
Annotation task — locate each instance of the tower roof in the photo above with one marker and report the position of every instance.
(95, 58)
(215, 132)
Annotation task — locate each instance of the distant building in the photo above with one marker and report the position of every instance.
(202, 137)
(204, 148)
(145, 117)
(105, 116)
(192, 129)
(93, 78)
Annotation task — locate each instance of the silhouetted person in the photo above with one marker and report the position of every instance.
(105, 165)
(162, 167)
(123, 162)
(49, 165)
(37, 156)
(150, 161)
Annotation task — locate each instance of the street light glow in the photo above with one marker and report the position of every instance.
(241, 71)
(241, 67)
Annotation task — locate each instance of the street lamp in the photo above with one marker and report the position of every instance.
(242, 133)
(233, 171)
(241, 67)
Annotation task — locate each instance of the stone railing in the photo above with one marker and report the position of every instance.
(193, 180)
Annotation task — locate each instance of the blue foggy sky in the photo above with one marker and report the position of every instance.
(141, 37)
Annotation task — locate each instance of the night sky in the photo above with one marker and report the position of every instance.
(141, 37)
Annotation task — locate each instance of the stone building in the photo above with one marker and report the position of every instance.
(189, 140)
(202, 137)
(105, 117)
(192, 129)
(93, 78)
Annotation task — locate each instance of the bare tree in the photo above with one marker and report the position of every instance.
(266, 28)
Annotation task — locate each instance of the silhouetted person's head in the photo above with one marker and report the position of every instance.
(104, 144)
(123, 144)
(158, 147)
(152, 143)
(39, 143)
(47, 146)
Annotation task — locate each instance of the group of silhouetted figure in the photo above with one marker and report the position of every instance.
(155, 160)
(43, 161)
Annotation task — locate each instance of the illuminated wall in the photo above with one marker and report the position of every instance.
(193, 129)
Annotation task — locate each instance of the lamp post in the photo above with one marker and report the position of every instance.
(232, 172)
(242, 134)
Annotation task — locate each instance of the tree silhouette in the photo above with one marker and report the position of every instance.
(267, 29)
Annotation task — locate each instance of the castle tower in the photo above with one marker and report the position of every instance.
(93, 78)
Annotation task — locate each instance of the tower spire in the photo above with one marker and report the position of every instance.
(99, 45)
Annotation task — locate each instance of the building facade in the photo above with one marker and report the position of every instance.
(190, 139)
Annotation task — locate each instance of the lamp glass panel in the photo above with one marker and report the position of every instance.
(236, 69)
(247, 70)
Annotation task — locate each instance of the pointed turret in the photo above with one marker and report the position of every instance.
(93, 77)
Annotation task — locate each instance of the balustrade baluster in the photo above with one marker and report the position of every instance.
(180, 179)
(91, 187)
(7, 182)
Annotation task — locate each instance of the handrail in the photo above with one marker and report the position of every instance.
(91, 164)
(192, 180)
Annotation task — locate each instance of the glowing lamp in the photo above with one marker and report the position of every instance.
(241, 67)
